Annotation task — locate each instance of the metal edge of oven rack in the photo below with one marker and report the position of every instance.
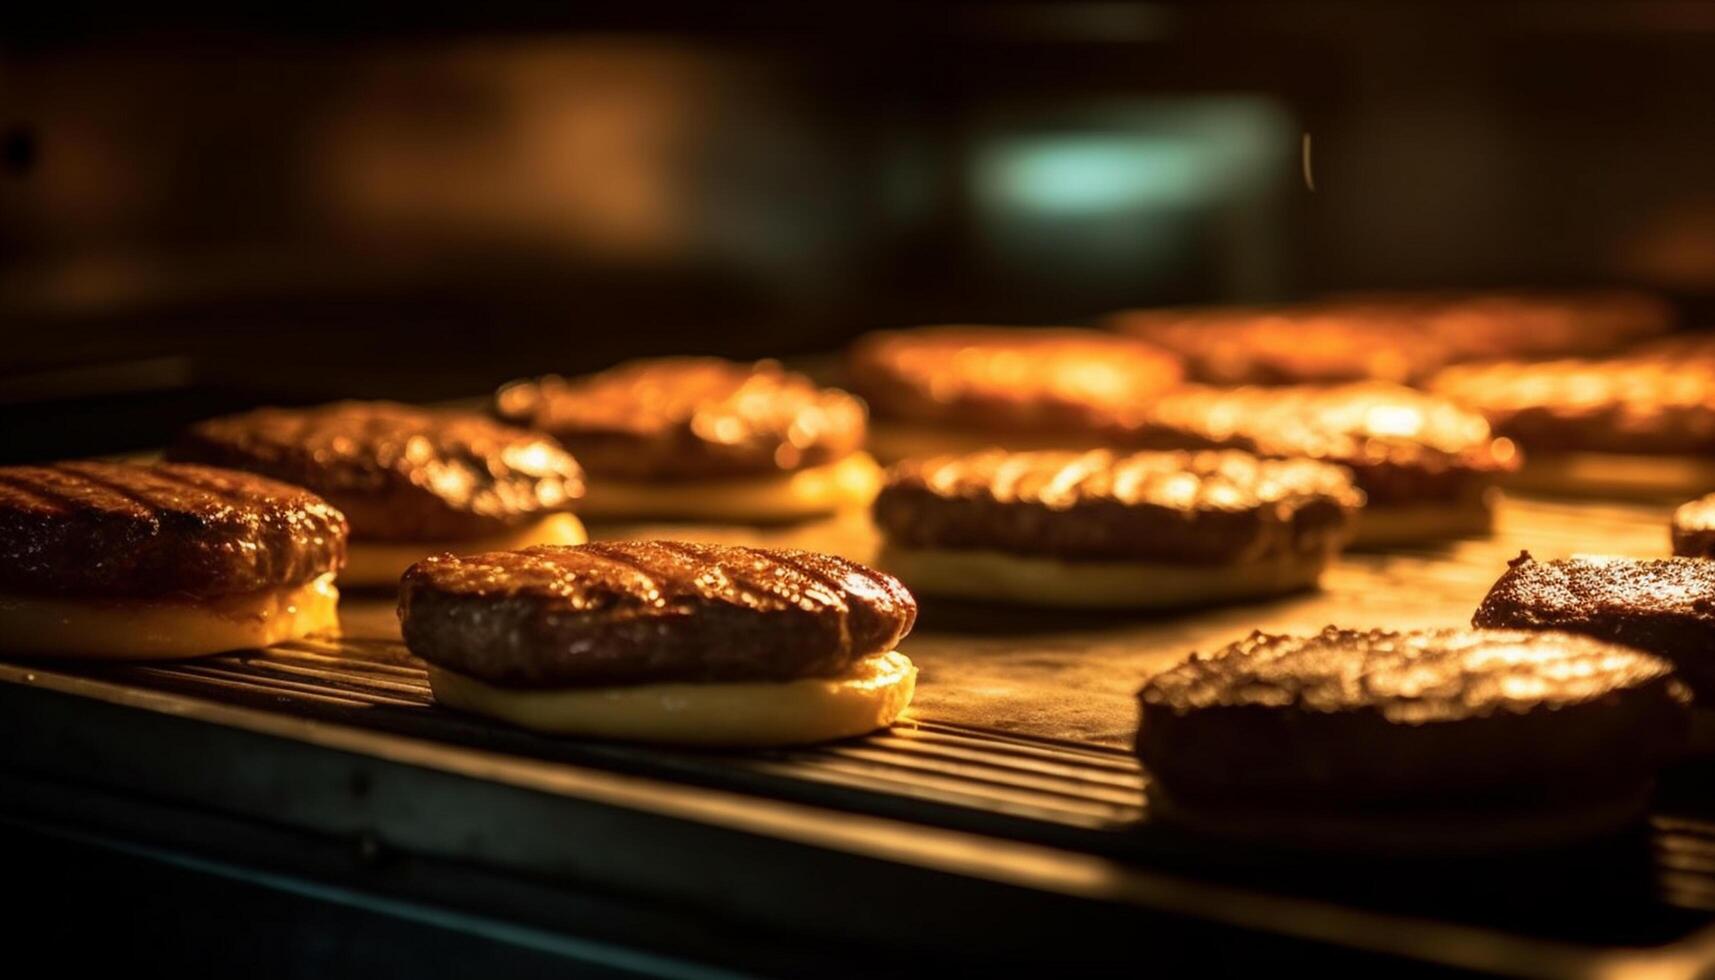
(832, 877)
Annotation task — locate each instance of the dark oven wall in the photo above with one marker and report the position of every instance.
(209, 208)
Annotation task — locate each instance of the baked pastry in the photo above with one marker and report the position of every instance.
(1641, 424)
(1410, 743)
(412, 481)
(1427, 466)
(151, 561)
(955, 389)
(1398, 337)
(702, 438)
(664, 642)
(1105, 530)
(1694, 528)
(1663, 605)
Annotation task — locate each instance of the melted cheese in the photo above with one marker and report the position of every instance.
(753, 714)
(813, 492)
(1640, 477)
(894, 441)
(999, 577)
(374, 564)
(165, 629)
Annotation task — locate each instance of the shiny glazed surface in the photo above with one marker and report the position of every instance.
(1193, 507)
(399, 473)
(130, 530)
(629, 612)
(674, 418)
(1400, 444)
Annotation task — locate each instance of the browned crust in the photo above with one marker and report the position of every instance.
(1418, 719)
(398, 472)
(690, 417)
(124, 531)
(1193, 508)
(1657, 399)
(638, 612)
(1000, 379)
(1663, 605)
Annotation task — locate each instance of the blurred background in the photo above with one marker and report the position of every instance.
(204, 208)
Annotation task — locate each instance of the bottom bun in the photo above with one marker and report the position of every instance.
(997, 576)
(1427, 523)
(374, 564)
(1405, 833)
(140, 629)
(813, 492)
(749, 714)
(1635, 477)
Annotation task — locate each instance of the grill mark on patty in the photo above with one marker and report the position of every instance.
(834, 589)
(67, 486)
(16, 488)
(204, 482)
(649, 611)
(121, 530)
(155, 494)
(619, 559)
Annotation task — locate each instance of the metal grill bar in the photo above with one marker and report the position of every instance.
(1069, 794)
(1067, 784)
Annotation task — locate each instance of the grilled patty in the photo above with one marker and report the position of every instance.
(1694, 528)
(690, 417)
(1654, 399)
(1046, 379)
(1193, 508)
(399, 473)
(1390, 336)
(1490, 325)
(1664, 605)
(1429, 718)
(123, 531)
(1401, 445)
(1307, 342)
(640, 612)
